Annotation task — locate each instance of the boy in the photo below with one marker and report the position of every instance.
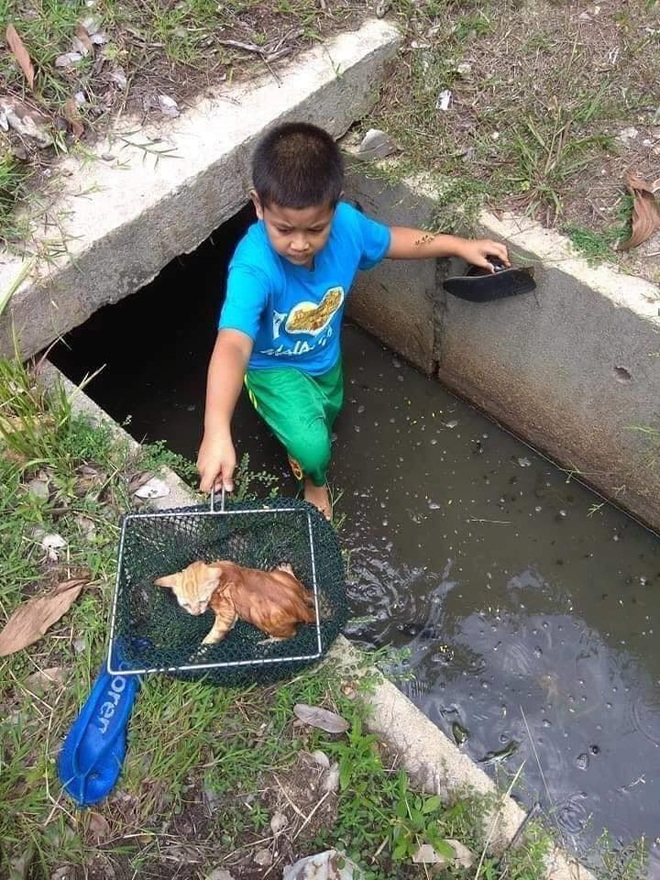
(279, 330)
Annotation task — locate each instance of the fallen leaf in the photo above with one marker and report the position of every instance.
(31, 620)
(138, 480)
(83, 36)
(44, 679)
(21, 54)
(315, 716)
(98, 828)
(72, 116)
(645, 214)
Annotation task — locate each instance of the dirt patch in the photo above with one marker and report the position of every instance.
(550, 105)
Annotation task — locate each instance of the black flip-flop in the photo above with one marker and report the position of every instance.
(479, 285)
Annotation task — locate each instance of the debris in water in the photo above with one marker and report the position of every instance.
(496, 757)
(461, 734)
(451, 424)
(582, 761)
(524, 462)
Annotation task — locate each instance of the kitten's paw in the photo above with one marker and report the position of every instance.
(285, 566)
(200, 655)
(271, 640)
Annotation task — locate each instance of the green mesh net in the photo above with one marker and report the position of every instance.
(154, 633)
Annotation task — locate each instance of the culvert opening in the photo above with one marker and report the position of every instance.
(522, 607)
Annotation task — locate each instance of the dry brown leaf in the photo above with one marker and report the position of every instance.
(646, 211)
(138, 480)
(83, 36)
(98, 828)
(21, 54)
(44, 679)
(32, 619)
(316, 716)
(72, 116)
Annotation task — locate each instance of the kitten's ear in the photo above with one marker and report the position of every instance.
(169, 580)
(213, 576)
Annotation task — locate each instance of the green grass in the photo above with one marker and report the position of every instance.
(533, 124)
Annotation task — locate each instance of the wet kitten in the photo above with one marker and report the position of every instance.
(273, 601)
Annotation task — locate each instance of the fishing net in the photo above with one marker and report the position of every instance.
(154, 634)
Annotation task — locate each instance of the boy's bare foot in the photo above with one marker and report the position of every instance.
(319, 497)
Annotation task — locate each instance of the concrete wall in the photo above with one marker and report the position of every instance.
(573, 368)
(127, 214)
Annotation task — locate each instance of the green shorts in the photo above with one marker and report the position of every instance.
(300, 410)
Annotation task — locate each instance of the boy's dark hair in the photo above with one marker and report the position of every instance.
(297, 165)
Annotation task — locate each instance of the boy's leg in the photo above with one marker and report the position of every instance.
(300, 410)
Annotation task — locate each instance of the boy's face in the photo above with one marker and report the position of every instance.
(297, 234)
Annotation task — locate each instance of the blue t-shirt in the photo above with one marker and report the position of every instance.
(293, 313)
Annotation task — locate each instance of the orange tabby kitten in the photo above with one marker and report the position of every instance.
(273, 601)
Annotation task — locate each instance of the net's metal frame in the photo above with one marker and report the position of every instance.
(299, 516)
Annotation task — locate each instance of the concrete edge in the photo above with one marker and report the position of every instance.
(572, 369)
(426, 754)
(123, 217)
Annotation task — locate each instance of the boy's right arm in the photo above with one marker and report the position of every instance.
(217, 458)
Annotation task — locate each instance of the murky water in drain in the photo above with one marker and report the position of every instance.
(527, 608)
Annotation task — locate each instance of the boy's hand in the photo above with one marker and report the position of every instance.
(477, 251)
(216, 462)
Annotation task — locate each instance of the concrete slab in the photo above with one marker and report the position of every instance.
(128, 213)
(574, 368)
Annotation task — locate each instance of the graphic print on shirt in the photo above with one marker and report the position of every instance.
(278, 317)
(310, 318)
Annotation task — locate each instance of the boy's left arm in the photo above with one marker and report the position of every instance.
(415, 244)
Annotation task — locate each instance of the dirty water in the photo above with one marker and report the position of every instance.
(519, 607)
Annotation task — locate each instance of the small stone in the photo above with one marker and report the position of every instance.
(39, 489)
(263, 858)
(382, 8)
(168, 106)
(99, 39)
(376, 144)
(464, 68)
(426, 855)
(69, 59)
(92, 24)
(464, 856)
(51, 544)
(324, 866)
(626, 135)
(80, 98)
(331, 778)
(321, 759)
(278, 823)
(153, 488)
(219, 874)
(118, 77)
(79, 645)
